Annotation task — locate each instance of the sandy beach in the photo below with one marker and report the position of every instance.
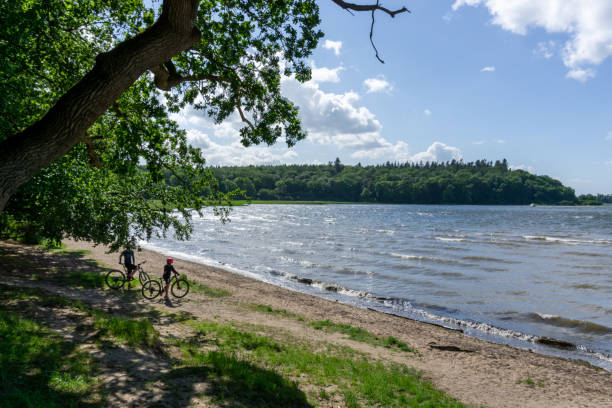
(473, 371)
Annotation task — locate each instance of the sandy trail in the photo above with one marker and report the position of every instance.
(483, 374)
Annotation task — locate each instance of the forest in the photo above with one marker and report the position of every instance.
(454, 182)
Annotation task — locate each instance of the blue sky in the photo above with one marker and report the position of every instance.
(525, 80)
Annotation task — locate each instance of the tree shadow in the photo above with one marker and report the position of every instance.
(232, 382)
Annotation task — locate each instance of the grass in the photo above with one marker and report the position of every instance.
(134, 332)
(83, 279)
(208, 291)
(270, 310)
(531, 382)
(39, 369)
(359, 382)
(361, 335)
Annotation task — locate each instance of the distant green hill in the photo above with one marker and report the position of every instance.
(479, 182)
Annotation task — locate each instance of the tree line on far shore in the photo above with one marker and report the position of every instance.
(454, 182)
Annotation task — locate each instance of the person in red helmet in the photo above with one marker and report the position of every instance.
(168, 270)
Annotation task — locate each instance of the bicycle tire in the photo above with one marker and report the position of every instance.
(115, 279)
(143, 277)
(151, 289)
(180, 288)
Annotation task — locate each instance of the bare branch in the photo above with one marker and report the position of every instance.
(242, 116)
(370, 7)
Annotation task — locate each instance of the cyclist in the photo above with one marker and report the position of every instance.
(129, 260)
(168, 270)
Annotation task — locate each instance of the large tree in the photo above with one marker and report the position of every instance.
(87, 87)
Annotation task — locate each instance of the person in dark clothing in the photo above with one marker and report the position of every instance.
(168, 271)
(129, 261)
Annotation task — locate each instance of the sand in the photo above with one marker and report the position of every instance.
(474, 371)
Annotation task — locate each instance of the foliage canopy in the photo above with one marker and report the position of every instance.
(99, 190)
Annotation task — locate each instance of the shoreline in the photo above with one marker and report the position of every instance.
(543, 345)
(473, 370)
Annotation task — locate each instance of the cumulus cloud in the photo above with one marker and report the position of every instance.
(325, 74)
(587, 23)
(235, 154)
(580, 74)
(438, 152)
(427, 112)
(385, 151)
(332, 118)
(377, 85)
(488, 69)
(333, 45)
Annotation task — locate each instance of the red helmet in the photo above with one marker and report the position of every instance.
(169, 260)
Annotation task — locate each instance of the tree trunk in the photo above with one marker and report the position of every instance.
(24, 154)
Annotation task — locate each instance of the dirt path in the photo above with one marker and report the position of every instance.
(483, 374)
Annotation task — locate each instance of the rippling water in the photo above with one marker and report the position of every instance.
(503, 273)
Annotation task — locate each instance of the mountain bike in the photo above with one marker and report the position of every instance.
(115, 279)
(179, 287)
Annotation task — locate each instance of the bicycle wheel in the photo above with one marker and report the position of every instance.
(143, 277)
(180, 288)
(151, 289)
(115, 279)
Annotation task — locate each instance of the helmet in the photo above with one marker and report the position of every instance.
(169, 260)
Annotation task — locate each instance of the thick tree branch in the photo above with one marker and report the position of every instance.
(67, 121)
(167, 77)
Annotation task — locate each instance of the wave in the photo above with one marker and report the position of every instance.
(423, 258)
(450, 239)
(579, 325)
(569, 241)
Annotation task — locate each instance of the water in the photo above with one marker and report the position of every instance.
(502, 273)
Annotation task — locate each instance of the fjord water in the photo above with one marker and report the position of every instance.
(503, 273)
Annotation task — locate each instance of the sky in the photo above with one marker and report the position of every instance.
(525, 80)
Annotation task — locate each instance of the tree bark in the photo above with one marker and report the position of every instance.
(51, 137)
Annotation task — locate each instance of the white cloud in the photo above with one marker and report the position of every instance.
(427, 112)
(587, 23)
(581, 75)
(332, 118)
(609, 162)
(501, 141)
(522, 167)
(546, 49)
(235, 154)
(478, 142)
(377, 85)
(609, 137)
(333, 45)
(386, 151)
(325, 74)
(488, 69)
(438, 152)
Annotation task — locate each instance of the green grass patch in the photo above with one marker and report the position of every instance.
(361, 335)
(208, 291)
(531, 382)
(64, 251)
(83, 279)
(361, 382)
(134, 332)
(270, 310)
(39, 369)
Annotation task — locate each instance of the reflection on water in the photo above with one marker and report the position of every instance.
(494, 266)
